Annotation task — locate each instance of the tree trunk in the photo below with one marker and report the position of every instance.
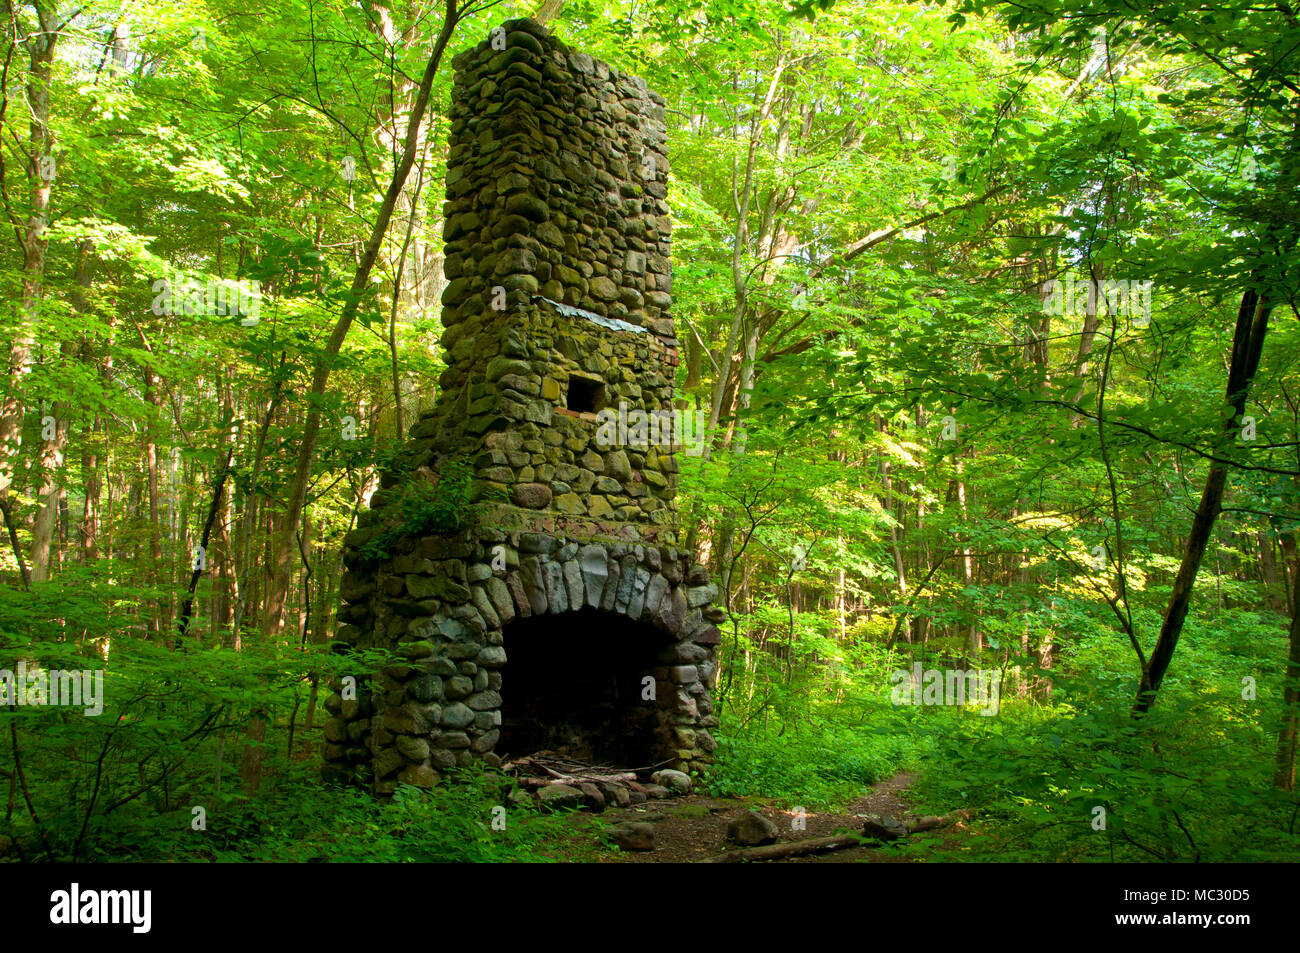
(31, 238)
(1247, 345)
(887, 482)
(153, 400)
(1289, 733)
(280, 565)
(974, 642)
(1274, 594)
(51, 466)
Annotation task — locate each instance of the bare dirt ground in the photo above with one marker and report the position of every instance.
(694, 828)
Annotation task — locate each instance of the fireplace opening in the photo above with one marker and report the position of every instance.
(574, 684)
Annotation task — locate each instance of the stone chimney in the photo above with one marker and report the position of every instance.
(520, 558)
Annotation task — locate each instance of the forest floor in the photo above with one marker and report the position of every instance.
(694, 828)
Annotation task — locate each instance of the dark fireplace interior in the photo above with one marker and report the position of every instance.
(573, 685)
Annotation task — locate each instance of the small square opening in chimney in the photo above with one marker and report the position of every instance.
(586, 395)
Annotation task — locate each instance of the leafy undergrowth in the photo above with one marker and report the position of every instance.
(304, 821)
(1082, 780)
(1068, 777)
(819, 762)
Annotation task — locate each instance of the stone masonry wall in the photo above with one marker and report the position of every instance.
(508, 417)
(557, 184)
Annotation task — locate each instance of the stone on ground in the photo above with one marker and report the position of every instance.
(752, 829)
(633, 835)
(556, 796)
(675, 781)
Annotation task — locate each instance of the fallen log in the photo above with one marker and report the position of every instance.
(883, 829)
(572, 779)
(809, 845)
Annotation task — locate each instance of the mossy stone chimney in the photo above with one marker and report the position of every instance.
(521, 559)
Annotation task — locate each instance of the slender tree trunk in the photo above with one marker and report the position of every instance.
(1290, 557)
(51, 467)
(1247, 345)
(887, 482)
(223, 589)
(153, 400)
(974, 642)
(199, 565)
(92, 485)
(40, 47)
(1274, 594)
(1289, 734)
(281, 564)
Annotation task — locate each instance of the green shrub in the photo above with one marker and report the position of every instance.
(420, 507)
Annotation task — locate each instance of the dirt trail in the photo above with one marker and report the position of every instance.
(693, 828)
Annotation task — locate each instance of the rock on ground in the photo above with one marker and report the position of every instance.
(752, 829)
(675, 781)
(633, 835)
(556, 796)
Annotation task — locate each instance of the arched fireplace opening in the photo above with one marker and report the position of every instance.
(586, 685)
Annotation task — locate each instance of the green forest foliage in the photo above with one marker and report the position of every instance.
(917, 457)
